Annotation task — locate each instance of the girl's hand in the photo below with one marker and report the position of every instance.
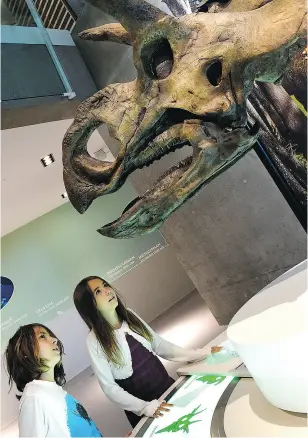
(215, 350)
(205, 353)
(162, 409)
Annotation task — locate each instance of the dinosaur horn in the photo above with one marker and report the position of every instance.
(114, 32)
(132, 14)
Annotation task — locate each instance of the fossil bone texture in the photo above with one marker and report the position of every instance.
(194, 74)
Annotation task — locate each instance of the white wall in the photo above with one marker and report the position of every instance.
(28, 190)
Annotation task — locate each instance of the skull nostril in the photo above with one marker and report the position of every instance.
(214, 73)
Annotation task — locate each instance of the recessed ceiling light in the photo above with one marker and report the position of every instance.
(64, 195)
(49, 159)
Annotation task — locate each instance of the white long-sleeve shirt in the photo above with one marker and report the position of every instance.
(107, 372)
(47, 410)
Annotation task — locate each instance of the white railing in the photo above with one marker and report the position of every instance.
(54, 14)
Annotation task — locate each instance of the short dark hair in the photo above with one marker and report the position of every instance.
(86, 306)
(22, 361)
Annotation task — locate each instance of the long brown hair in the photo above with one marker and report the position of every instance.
(22, 361)
(86, 306)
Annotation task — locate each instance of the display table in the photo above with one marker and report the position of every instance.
(194, 400)
(248, 414)
(219, 399)
(221, 406)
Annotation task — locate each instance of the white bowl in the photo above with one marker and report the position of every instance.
(274, 347)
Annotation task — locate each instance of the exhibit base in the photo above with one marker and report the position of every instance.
(249, 415)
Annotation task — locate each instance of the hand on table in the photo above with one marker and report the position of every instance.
(205, 353)
(215, 349)
(164, 407)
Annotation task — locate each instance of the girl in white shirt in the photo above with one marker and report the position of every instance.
(123, 350)
(34, 363)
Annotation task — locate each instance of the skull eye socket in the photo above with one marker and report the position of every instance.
(204, 7)
(214, 73)
(158, 59)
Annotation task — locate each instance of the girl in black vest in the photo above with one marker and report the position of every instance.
(124, 349)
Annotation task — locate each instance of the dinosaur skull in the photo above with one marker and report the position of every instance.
(194, 74)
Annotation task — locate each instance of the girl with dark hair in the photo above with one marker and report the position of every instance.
(34, 362)
(124, 349)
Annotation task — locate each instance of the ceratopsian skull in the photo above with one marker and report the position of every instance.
(194, 74)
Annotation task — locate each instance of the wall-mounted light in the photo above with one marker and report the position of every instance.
(49, 159)
(64, 195)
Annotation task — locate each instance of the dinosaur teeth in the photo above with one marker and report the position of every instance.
(154, 153)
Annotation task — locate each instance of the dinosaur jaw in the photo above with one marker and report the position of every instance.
(213, 153)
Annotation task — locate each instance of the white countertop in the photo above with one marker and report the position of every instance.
(234, 367)
(258, 418)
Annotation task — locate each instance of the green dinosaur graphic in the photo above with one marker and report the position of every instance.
(210, 380)
(182, 423)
